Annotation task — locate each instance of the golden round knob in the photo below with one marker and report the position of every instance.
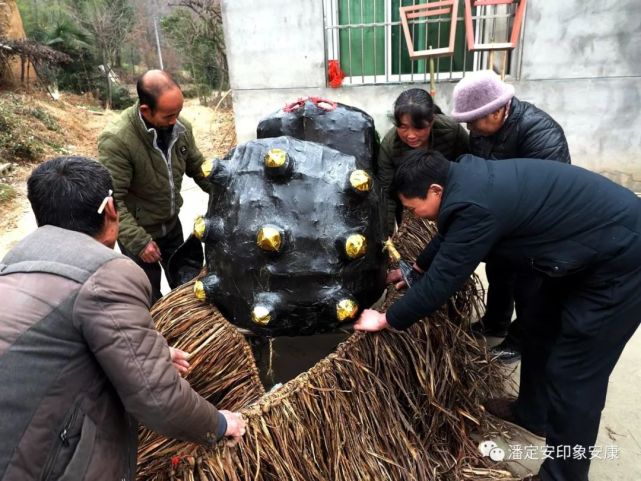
(360, 180)
(200, 227)
(207, 167)
(355, 246)
(199, 291)
(261, 315)
(346, 309)
(269, 239)
(275, 158)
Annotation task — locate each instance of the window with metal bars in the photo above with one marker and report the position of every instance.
(366, 37)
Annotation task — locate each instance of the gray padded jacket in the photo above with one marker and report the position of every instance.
(81, 364)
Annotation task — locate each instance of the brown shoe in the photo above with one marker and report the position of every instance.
(532, 477)
(503, 408)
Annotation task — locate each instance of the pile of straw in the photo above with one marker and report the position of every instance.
(387, 406)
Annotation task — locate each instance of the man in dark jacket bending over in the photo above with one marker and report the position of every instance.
(504, 127)
(580, 233)
(80, 360)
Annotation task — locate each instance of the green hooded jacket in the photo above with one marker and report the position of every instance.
(146, 183)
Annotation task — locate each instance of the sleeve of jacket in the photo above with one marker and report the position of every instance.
(462, 143)
(115, 156)
(543, 138)
(465, 243)
(479, 146)
(112, 313)
(426, 257)
(386, 177)
(195, 161)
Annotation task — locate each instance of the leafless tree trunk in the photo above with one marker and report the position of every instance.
(210, 15)
(109, 21)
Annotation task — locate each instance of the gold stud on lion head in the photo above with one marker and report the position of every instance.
(269, 238)
(346, 309)
(360, 181)
(275, 158)
(261, 315)
(355, 246)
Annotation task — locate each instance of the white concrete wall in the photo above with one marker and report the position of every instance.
(274, 44)
(582, 39)
(581, 63)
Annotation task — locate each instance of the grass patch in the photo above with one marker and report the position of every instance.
(23, 129)
(42, 115)
(6, 193)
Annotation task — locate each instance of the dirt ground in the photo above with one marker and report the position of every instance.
(80, 124)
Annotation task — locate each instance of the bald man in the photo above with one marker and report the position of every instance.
(147, 150)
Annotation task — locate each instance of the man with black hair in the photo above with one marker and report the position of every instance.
(80, 361)
(148, 150)
(580, 233)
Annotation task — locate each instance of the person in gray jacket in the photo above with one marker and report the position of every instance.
(80, 361)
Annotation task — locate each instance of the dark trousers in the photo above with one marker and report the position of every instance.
(572, 343)
(505, 289)
(167, 245)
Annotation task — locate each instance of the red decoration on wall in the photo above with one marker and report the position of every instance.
(335, 74)
(325, 104)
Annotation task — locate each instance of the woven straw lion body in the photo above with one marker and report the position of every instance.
(386, 406)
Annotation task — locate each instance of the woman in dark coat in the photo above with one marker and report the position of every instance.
(504, 127)
(418, 124)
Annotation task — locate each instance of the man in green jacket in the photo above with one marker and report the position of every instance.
(147, 150)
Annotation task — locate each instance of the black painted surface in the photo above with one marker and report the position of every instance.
(186, 263)
(282, 358)
(341, 127)
(314, 206)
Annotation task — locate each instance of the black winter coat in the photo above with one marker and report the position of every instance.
(528, 133)
(549, 218)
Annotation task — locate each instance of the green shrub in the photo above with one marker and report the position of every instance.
(6, 193)
(42, 115)
(5, 117)
(26, 148)
(18, 140)
(191, 92)
(120, 96)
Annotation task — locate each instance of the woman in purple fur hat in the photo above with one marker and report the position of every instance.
(503, 127)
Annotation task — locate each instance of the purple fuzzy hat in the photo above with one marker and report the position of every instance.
(479, 94)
